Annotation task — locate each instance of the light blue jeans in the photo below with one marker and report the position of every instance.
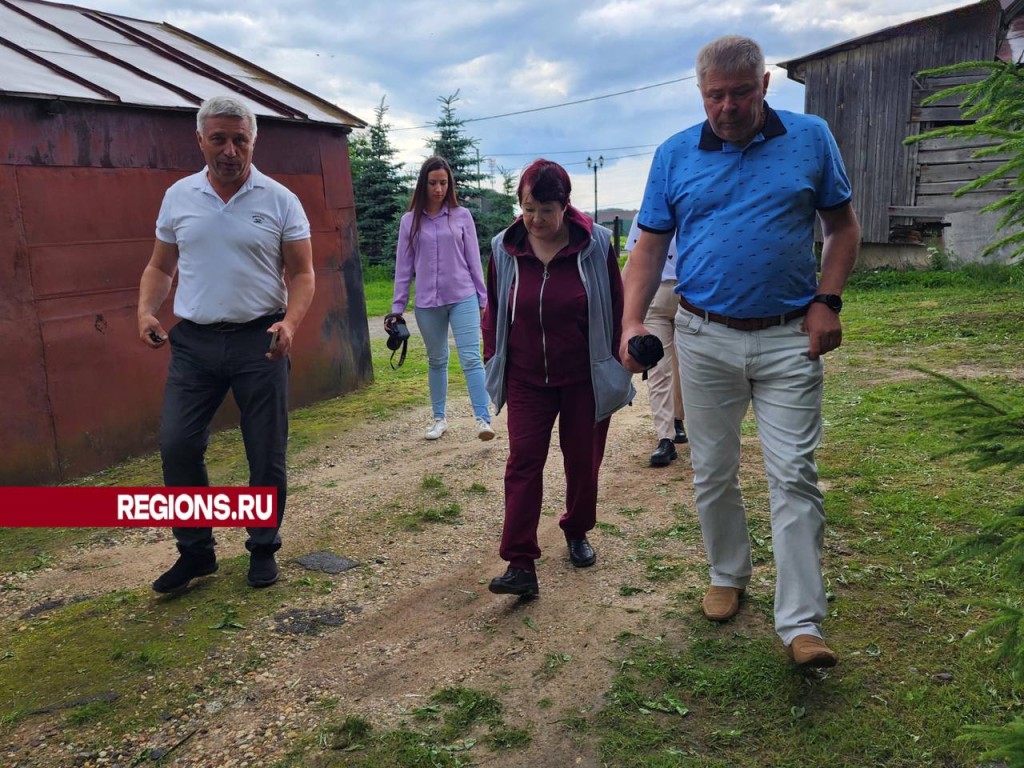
(724, 372)
(464, 319)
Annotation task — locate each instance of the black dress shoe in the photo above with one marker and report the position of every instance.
(262, 570)
(581, 554)
(516, 581)
(680, 437)
(185, 568)
(664, 454)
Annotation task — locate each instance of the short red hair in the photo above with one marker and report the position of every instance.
(547, 181)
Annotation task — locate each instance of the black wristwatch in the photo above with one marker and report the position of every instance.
(831, 300)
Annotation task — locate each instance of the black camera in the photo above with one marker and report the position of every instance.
(646, 350)
(398, 337)
(398, 331)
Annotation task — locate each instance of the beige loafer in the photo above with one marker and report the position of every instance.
(721, 603)
(811, 651)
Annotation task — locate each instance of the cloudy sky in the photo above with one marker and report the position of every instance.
(513, 55)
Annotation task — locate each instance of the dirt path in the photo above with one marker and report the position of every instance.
(419, 616)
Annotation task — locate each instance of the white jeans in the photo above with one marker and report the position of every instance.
(723, 372)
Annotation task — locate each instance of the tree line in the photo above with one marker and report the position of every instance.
(383, 187)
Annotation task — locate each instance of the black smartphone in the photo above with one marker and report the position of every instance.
(156, 338)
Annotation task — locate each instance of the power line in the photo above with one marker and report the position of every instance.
(558, 106)
(580, 101)
(609, 159)
(568, 151)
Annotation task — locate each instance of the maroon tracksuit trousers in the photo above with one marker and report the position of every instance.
(531, 416)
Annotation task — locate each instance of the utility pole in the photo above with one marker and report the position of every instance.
(479, 187)
(595, 164)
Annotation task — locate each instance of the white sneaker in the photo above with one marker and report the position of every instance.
(439, 428)
(483, 430)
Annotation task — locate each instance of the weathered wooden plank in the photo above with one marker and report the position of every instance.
(972, 202)
(898, 91)
(946, 142)
(936, 114)
(964, 155)
(917, 212)
(949, 100)
(949, 187)
(937, 82)
(965, 171)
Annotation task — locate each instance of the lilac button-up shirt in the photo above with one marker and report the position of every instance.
(444, 260)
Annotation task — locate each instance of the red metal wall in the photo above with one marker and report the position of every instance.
(79, 194)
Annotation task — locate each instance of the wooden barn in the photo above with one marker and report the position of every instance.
(870, 92)
(97, 119)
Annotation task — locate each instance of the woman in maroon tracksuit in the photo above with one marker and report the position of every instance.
(539, 349)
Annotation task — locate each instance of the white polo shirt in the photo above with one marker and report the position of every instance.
(669, 272)
(230, 266)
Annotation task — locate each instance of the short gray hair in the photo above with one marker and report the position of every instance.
(225, 106)
(732, 54)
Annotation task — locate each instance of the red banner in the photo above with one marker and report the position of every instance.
(48, 507)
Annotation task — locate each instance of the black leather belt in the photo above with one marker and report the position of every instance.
(227, 327)
(743, 323)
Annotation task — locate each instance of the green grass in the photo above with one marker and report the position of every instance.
(111, 663)
(442, 735)
(378, 287)
(416, 519)
(913, 676)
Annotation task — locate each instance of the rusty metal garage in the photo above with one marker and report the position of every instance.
(97, 119)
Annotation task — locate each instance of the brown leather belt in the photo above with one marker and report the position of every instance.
(743, 323)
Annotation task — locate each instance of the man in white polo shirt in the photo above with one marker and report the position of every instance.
(230, 233)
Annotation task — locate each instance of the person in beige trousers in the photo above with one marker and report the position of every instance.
(666, 394)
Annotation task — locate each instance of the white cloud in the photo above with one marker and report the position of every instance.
(845, 19)
(538, 81)
(509, 55)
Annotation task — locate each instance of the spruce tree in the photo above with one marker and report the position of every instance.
(995, 436)
(459, 150)
(497, 211)
(492, 211)
(379, 190)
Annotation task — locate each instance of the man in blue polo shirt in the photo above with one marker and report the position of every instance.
(742, 190)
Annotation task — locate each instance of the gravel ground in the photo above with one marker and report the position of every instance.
(415, 617)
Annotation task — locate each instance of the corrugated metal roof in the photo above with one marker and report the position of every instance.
(56, 51)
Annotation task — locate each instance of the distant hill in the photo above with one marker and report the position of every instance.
(607, 216)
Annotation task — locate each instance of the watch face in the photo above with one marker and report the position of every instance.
(830, 300)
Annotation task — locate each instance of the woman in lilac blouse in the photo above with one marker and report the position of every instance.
(437, 247)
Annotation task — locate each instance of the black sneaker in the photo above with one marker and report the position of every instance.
(516, 581)
(262, 570)
(186, 568)
(581, 554)
(680, 437)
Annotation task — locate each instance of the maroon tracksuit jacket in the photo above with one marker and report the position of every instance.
(548, 376)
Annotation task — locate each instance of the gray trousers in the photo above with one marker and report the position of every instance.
(725, 372)
(205, 364)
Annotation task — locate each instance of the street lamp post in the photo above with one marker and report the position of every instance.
(595, 164)
(479, 188)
